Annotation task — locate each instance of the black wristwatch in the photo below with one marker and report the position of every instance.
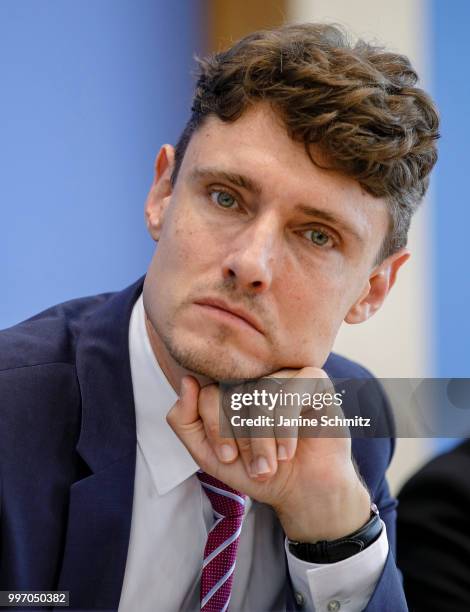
(337, 550)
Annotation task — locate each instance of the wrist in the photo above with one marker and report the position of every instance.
(346, 511)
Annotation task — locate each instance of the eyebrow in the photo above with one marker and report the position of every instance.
(240, 180)
(243, 181)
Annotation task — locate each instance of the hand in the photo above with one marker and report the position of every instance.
(316, 493)
(260, 455)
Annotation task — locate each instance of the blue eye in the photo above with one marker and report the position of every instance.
(318, 237)
(223, 198)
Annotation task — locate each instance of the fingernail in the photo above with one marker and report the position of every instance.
(282, 453)
(227, 452)
(262, 466)
(183, 386)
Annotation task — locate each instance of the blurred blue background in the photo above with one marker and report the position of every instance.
(89, 91)
(450, 59)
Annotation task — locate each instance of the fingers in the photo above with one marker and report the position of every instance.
(286, 439)
(257, 446)
(331, 436)
(287, 436)
(261, 457)
(258, 454)
(269, 443)
(185, 420)
(306, 382)
(198, 420)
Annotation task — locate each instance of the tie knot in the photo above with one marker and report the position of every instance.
(225, 501)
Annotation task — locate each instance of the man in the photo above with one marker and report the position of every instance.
(434, 533)
(282, 211)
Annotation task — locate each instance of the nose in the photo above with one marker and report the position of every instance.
(250, 262)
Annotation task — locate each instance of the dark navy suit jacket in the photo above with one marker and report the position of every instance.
(68, 448)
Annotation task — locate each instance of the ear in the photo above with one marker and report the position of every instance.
(381, 280)
(160, 191)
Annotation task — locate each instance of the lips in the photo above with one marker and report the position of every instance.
(233, 310)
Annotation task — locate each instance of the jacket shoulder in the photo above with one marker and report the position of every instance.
(337, 366)
(48, 337)
(40, 395)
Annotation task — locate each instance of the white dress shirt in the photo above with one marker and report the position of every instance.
(171, 516)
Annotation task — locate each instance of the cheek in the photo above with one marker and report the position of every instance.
(313, 311)
(191, 243)
(314, 295)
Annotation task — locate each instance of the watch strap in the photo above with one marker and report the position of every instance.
(333, 551)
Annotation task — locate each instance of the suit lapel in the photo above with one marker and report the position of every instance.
(100, 510)
(98, 536)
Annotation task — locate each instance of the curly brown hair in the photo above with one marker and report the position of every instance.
(357, 102)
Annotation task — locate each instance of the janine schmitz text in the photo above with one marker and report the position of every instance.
(299, 421)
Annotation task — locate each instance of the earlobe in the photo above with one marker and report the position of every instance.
(155, 207)
(360, 311)
(378, 287)
(160, 191)
(370, 300)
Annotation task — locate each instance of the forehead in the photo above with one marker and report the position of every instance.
(256, 147)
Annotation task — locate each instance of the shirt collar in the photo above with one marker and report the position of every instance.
(167, 458)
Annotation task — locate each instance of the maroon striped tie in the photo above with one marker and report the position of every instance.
(220, 552)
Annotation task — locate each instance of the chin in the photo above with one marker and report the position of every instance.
(214, 360)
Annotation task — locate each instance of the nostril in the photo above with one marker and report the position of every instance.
(256, 283)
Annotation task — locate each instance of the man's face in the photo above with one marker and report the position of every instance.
(253, 226)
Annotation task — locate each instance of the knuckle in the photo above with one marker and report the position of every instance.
(262, 446)
(212, 429)
(244, 445)
(209, 393)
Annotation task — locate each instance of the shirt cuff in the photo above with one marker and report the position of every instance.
(346, 585)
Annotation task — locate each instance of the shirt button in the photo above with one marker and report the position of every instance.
(299, 599)
(333, 605)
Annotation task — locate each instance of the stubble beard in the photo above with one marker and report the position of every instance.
(213, 358)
